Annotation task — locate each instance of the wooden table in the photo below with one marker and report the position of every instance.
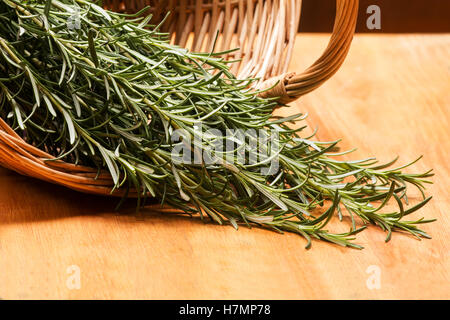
(391, 97)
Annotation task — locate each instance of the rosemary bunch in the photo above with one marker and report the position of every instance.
(108, 91)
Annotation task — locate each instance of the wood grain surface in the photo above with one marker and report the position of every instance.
(392, 96)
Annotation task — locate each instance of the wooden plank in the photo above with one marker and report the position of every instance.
(391, 97)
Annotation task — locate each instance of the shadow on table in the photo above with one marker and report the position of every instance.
(25, 199)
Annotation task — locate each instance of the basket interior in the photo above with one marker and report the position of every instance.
(263, 30)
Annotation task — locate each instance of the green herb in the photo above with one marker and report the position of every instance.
(111, 93)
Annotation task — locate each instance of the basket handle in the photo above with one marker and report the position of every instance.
(290, 86)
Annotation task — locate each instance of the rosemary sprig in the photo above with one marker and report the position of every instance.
(111, 93)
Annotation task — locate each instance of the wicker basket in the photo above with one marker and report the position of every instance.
(264, 30)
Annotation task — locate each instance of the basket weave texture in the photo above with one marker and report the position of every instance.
(264, 30)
